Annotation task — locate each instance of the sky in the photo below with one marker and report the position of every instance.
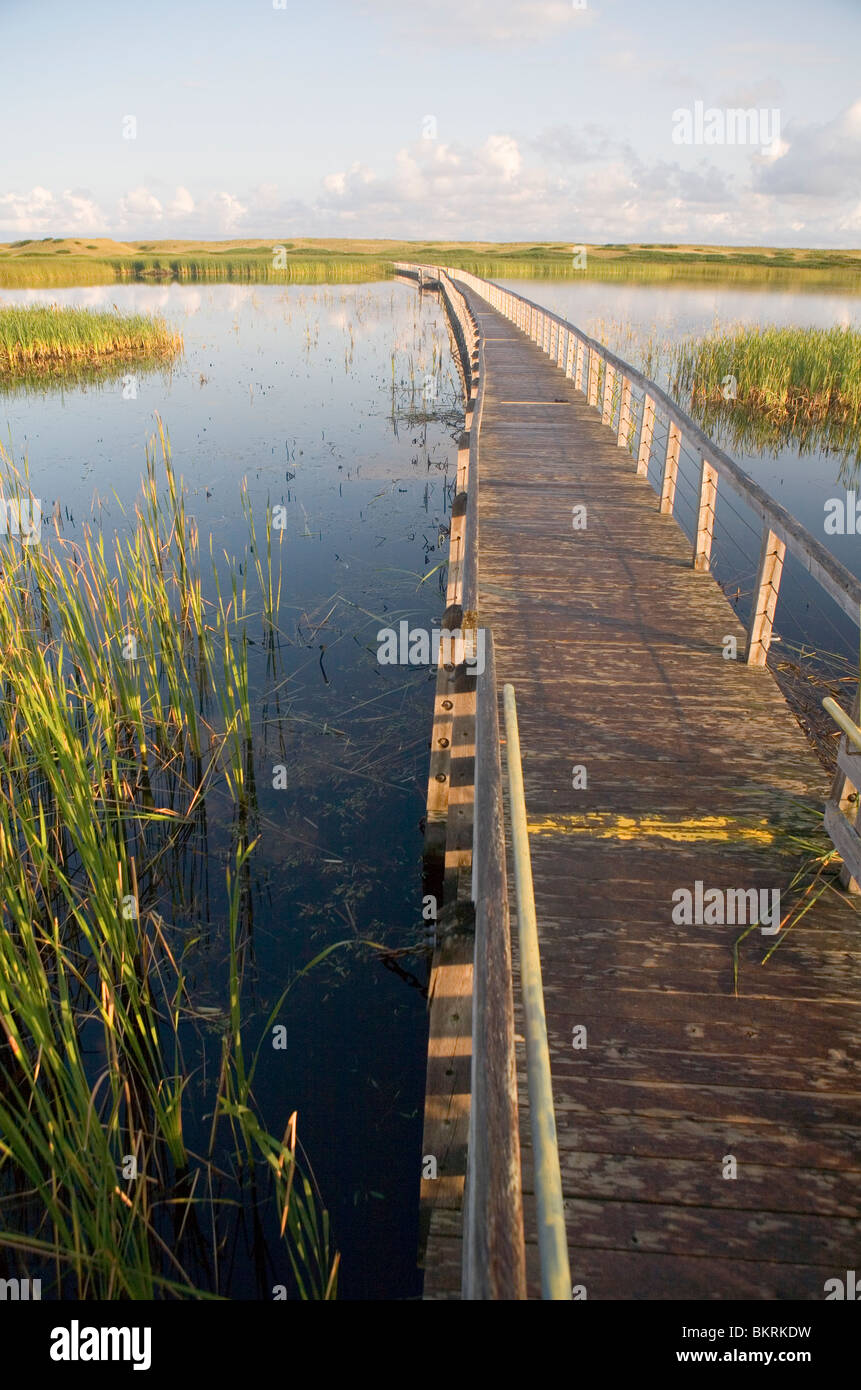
(446, 119)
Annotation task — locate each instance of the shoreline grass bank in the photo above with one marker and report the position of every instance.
(67, 261)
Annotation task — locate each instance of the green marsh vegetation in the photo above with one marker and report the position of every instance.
(757, 388)
(68, 261)
(125, 1165)
(769, 386)
(47, 339)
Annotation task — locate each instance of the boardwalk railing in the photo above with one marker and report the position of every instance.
(552, 1236)
(841, 809)
(494, 1263)
(493, 1244)
(635, 407)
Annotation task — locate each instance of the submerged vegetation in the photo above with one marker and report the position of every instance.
(124, 710)
(46, 338)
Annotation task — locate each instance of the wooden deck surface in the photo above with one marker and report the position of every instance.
(695, 767)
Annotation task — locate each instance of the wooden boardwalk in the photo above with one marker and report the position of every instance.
(695, 768)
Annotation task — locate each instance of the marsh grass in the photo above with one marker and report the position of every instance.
(816, 877)
(792, 384)
(46, 338)
(124, 706)
(70, 261)
(48, 271)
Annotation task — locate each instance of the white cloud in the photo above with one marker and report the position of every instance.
(229, 213)
(341, 185)
(817, 161)
(139, 206)
(496, 21)
(39, 213)
(502, 154)
(569, 184)
(182, 205)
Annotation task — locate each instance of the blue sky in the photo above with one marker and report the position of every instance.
(519, 119)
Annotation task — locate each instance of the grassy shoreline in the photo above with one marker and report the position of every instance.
(56, 261)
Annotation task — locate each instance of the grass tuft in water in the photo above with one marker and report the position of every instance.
(109, 754)
(785, 383)
(38, 339)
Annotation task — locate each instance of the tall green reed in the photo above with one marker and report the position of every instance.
(112, 663)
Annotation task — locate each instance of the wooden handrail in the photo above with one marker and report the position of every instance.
(494, 1259)
(550, 1205)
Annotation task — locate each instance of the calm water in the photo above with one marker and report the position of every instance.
(627, 317)
(314, 395)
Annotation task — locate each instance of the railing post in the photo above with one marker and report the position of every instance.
(706, 517)
(671, 469)
(625, 419)
(578, 373)
(609, 387)
(765, 593)
(644, 453)
(569, 359)
(593, 377)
